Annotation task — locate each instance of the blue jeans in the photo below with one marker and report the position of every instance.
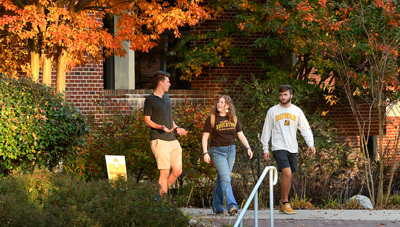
(224, 158)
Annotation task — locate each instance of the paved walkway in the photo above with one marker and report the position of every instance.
(303, 218)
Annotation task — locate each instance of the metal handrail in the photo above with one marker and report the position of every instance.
(272, 181)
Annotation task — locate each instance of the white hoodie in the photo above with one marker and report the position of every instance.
(282, 123)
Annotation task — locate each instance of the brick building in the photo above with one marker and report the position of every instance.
(123, 83)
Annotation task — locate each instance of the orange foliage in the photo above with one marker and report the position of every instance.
(74, 30)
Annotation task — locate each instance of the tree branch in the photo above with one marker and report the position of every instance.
(82, 4)
(20, 3)
(60, 3)
(100, 7)
(71, 8)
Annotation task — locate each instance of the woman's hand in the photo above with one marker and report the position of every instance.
(245, 143)
(204, 144)
(207, 158)
(250, 153)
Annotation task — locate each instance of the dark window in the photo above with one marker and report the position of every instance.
(372, 147)
(159, 57)
(108, 65)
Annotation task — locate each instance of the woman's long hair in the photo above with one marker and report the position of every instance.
(231, 111)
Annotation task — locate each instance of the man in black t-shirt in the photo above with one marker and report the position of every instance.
(165, 147)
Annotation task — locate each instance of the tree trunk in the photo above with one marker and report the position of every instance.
(47, 69)
(35, 50)
(379, 199)
(356, 112)
(35, 60)
(48, 61)
(61, 71)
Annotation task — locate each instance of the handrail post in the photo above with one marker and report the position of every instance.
(271, 200)
(273, 181)
(256, 209)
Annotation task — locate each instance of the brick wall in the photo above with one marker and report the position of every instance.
(83, 86)
(346, 126)
(389, 140)
(345, 122)
(209, 78)
(128, 100)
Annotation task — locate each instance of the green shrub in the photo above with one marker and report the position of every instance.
(394, 200)
(117, 134)
(57, 199)
(38, 127)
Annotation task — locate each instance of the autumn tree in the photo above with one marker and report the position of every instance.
(48, 35)
(359, 42)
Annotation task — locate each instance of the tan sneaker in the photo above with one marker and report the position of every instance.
(286, 209)
(233, 211)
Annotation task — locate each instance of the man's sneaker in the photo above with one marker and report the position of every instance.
(286, 209)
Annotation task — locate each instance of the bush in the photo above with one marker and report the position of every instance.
(394, 200)
(38, 127)
(57, 199)
(118, 134)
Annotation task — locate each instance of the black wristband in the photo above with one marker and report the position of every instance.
(176, 128)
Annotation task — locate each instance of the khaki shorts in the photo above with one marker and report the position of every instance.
(168, 153)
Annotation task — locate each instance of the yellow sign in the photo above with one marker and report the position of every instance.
(115, 166)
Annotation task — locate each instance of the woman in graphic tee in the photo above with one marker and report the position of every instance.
(223, 125)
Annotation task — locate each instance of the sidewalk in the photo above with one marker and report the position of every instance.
(306, 218)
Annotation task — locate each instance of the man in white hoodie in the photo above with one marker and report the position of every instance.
(281, 123)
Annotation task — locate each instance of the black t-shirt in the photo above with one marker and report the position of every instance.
(223, 133)
(160, 112)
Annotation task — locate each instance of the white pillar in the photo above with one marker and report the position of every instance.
(125, 69)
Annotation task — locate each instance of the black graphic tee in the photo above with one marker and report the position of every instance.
(223, 133)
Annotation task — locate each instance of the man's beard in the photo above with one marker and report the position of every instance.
(284, 103)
